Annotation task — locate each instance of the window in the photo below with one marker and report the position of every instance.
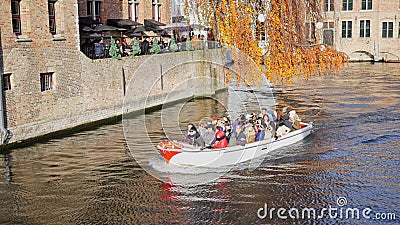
(46, 81)
(133, 7)
(347, 5)
(365, 28)
(156, 10)
(329, 25)
(346, 29)
(387, 30)
(16, 16)
(328, 5)
(366, 5)
(93, 9)
(52, 16)
(7, 81)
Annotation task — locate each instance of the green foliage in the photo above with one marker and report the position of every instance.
(114, 53)
(135, 48)
(156, 47)
(189, 46)
(173, 46)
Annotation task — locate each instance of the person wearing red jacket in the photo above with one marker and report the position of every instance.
(220, 140)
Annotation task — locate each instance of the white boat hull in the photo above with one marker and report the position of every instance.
(186, 156)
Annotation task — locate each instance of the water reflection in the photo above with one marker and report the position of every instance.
(91, 177)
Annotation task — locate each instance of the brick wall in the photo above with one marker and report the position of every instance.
(90, 90)
(118, 9)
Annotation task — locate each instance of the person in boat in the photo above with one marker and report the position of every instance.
(282, 131)
(195, 138)
(263, 113)
(228, 130)
(284, 120)
(249, 131)
(270, 127)
(239, 120)
(220, 140)
(271, 114)
(240, 136)
(220, 125)
(202, 128)
(294, 119)
(209, 135)
(232, 140)
(189, 127)
(261, 131)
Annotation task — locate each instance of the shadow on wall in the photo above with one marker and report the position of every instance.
(5, 133)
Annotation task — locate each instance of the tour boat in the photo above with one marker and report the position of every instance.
(183, 154)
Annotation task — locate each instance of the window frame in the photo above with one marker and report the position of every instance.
(7, 81)
(52, 16)
(347, 29)
(156, 8)
(387, 31)
(329, 5)
(365, 28)
(93, 9)
(16, 16)
(366, 4)
(347, 5)
(398, 34)
(133, 10)
(46, 81)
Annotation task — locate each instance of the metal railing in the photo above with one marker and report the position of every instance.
(94, 51)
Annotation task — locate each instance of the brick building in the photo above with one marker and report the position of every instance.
(364, 29)
(46, 77)
(136, 10)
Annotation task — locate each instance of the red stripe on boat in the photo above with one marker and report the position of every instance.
(168, 154)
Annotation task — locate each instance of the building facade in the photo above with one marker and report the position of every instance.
(135, 10)
(363, 29)
(46, 78)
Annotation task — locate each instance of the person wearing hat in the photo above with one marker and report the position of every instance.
(250, 132)
(195, 138)
(220, 140)
(294, 119)
(208, 136)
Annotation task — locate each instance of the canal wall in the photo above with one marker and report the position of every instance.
(84, 90)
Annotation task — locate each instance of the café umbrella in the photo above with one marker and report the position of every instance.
(104, 28)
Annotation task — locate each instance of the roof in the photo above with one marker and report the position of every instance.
(152, 23)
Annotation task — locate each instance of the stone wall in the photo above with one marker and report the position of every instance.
(88, 90)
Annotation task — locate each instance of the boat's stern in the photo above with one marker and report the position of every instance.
(169, 149)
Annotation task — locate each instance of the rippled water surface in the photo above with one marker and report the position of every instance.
(91, 177)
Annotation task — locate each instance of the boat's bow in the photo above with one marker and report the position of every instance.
(168, 149)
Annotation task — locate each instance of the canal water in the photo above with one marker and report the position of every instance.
(349, 164)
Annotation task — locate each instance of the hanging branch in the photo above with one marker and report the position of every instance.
(290, 51)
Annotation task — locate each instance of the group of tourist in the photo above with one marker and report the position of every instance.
(99, 47)
(221, 133)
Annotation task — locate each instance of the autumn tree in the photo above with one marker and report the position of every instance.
(288, 28)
